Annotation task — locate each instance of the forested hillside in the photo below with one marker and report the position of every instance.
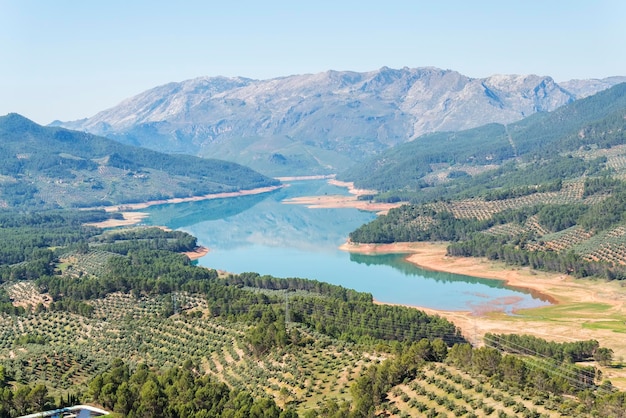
(547, 192)
(442, 164)
(126, 292)
(54, 167)
(196, 343)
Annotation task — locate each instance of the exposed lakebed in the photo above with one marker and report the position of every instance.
(260, 234)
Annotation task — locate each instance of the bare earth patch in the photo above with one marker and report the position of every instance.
(579, 305)
(197, 253)
(132, 218)
(341, 201)
(27, 295)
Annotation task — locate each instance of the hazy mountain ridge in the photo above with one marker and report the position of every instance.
(584, 88)
(594, 121)
(349, 113)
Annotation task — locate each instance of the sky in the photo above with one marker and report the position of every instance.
(68, 60)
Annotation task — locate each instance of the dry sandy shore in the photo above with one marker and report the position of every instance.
(342, 201)
(197, 253)
(132, 218)
(581, 307)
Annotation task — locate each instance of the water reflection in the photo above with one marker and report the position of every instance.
(259, 233)
(397, 261)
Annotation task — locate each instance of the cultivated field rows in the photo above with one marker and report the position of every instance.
(443, 391)
(72, 348)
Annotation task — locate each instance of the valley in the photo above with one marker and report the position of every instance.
(480, 271)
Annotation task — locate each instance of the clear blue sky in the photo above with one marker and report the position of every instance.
(67, 60)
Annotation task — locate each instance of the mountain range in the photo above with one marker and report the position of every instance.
(324, 122)
(541, 143)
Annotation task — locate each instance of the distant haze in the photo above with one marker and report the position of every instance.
(66, 60)
(321, 123)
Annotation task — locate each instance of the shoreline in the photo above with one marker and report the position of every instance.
(130, 217)
(582, 309)
(197, 252)
(433, 256)
(343, 201)
(311, 177)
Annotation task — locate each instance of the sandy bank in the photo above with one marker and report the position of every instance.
(314, 177)
(129, 218)
(133, 218)
(197, 253)
(342, 201)
(583, 308)
(338, 201)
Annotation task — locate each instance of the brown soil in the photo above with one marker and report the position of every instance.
(130, 218)
(563, 290)
(341, 201)
(197, 253)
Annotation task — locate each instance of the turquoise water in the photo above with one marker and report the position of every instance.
(261, 234)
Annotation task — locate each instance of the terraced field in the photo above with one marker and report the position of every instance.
(65, 350)
(607, 246)
(571, 192)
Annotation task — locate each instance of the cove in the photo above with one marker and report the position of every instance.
(260, 234)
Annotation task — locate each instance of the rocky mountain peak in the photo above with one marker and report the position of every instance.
(341, 115)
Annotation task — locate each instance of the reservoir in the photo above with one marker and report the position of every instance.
(259, 233)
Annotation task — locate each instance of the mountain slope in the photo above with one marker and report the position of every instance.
(596, 120)
(319, 123)
(547, 192)
(55, 167)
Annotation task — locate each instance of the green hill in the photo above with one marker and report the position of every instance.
(539, 141)
(547, 192)
(54, 167)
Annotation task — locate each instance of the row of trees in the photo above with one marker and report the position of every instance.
(500, 248)
(182, 392)
(293, 284)
(570, 352)
(125, 240)
(543, 375)
(532, 372)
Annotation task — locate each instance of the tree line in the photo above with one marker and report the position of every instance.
(467, 237)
